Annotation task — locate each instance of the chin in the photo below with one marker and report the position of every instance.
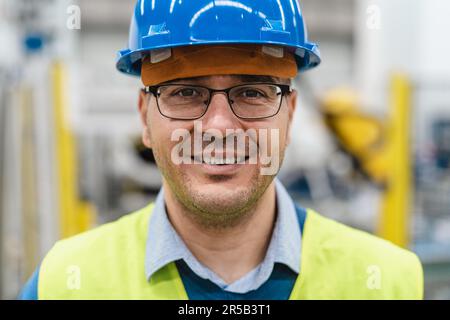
(220, 197)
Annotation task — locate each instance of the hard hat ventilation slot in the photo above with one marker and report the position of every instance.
(159, 55)
(277, 52)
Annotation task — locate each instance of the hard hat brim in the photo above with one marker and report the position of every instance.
(130, 62)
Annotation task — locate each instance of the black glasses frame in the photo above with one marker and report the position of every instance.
(284, 88)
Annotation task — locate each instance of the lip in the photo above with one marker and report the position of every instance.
(198, 159)
(222, 155)
(223, 169)
(220, 169)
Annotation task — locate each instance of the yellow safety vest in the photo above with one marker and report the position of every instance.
(338, 262)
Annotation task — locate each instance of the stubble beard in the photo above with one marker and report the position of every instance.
(212, 210)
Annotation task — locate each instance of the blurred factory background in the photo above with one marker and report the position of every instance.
(371, 138)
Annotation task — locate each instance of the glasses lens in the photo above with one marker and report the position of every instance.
(182, 102)
(255, 100)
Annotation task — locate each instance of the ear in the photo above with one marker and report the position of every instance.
(143, 103)
(291, 100)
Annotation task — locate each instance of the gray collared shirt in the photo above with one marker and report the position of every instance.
(164, 246)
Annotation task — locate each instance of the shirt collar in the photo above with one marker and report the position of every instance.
(164, 245)
(286, 237)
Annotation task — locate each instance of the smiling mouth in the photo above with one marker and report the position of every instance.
(219, 161)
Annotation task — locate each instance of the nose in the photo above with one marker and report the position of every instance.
(219, 115)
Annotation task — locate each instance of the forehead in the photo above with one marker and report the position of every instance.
(227, 79)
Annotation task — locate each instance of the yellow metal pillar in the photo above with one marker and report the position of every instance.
(75, 215)
(395, 217)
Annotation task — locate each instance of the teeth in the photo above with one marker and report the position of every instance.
(197, 159)
(209, 160)
(219, 161)
(229, 161)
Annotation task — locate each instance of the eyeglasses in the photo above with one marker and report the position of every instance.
(247, 101)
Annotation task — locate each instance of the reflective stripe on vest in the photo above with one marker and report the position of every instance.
(337, 262)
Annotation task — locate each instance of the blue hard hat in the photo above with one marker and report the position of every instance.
(158, 24)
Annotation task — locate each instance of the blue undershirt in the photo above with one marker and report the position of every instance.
(164, 246)
(278, 287)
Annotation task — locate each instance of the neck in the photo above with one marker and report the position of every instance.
(229, 252)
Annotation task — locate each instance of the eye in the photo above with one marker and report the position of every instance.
(252, 93)
(186, 92)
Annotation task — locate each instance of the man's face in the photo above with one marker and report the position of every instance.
(219, 195)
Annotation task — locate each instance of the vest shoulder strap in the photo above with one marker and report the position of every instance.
(339, 262)
(107, 263)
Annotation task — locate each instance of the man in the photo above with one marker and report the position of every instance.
(216, 111)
